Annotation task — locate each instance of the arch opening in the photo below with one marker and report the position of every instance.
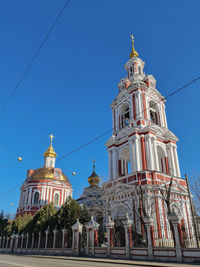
(124, 115)
(154, 113)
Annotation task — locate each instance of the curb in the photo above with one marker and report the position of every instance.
(111, 261)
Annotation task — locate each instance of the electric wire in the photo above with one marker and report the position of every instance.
(108, 131)
(33, 58)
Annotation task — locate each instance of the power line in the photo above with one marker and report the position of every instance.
(11, 189)
(33, 58)
(110, 130)
(103, 134)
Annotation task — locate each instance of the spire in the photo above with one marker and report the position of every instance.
(93, 161)
(133, 52)
(50, 151)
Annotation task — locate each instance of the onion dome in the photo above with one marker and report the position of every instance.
(133, 52)
(94, 179)
(50, 151)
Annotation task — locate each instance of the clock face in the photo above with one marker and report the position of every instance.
(57, 173)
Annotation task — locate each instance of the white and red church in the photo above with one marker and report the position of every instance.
(143, 165)
(143, 158)
(44, 185)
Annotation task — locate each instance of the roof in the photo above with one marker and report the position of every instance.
(47, 173)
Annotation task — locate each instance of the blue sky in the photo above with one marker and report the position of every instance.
(71, 85)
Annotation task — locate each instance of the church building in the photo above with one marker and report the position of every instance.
(144, 173)
(44, 185)
(91, 196)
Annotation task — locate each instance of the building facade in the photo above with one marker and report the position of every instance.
(144, 173)
(44, 185)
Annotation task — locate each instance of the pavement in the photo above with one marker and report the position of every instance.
(51, 261)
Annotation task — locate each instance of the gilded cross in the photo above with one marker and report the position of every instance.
(132, 37)
(51, 136)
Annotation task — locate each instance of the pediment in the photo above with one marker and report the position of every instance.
(117, 188)
(176, 187)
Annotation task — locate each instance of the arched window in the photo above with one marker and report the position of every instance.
(161, 159)
(125, 116)
(56, 199)
(153, 113)
(124, 167)
(131, 71)
(139, 70)
(36, 198)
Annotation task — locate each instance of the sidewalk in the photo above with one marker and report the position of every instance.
(118, 261)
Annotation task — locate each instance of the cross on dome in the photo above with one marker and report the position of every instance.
(133, 52)
(51, 136)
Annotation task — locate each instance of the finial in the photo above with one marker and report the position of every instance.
(51, 136)
(133, 52)
(93, 161)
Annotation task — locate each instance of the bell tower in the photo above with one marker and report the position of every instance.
(141, 142)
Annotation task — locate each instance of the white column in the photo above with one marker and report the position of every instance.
(131, 108)
(137, 153)
(41, 197)
(161, 116)
(146, 143)
(51, 192)
(113, 126)
(150, 154)
(156, 165)
(114, 164)
(138, 105)
(165, 115)
(26, 191)
(47, 197)
(30, 193)
(172, 160)
(169, 160)
(177, 162)
(131, 154)
(110, 164)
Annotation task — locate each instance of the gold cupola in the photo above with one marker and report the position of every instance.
(93, 179)
(50, 151)
(133, 52)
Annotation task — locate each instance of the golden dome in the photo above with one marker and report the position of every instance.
(133, 52)
(50, 151)
(93, 179)
(47, 173)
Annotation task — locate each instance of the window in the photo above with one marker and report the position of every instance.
(56, 199)
(36, 198)
(153, 117)
(131, 71)
(126, 118)
(139, 70)
(154, 113)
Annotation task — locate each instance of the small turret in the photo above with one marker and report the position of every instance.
(50, 155)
